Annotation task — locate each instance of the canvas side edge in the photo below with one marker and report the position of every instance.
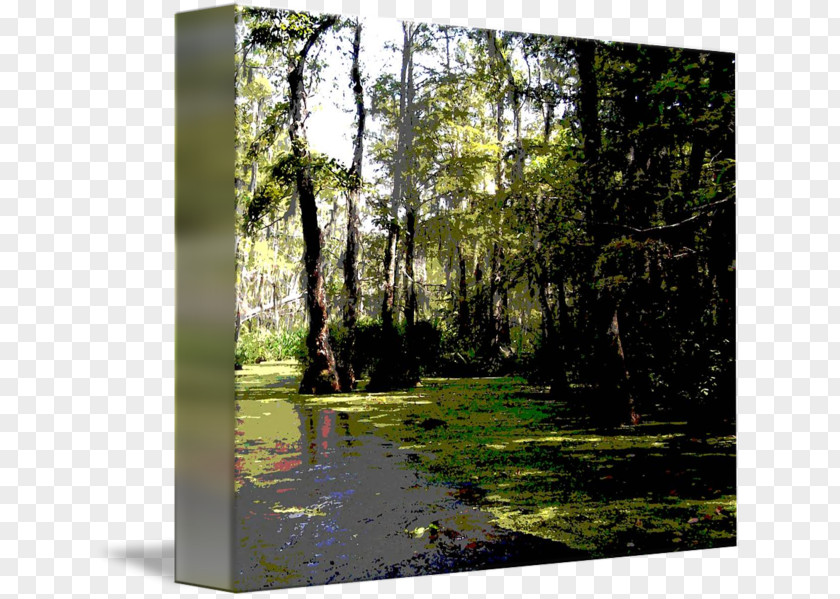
(205, 297)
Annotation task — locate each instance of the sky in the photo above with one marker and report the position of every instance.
(331, 124)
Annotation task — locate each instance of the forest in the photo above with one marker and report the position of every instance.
(557, 208)
(496, 220)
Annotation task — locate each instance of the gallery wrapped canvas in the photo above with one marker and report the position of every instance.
(448, 299)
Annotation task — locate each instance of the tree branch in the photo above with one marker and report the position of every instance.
(650, 230)
(260, 309)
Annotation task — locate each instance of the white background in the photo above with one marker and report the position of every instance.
(87, 297)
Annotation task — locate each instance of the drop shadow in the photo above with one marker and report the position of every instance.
(155, 558)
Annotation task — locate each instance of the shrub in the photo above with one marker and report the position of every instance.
(426, 347)
(424, 354)
(260, 345)
(368, 336)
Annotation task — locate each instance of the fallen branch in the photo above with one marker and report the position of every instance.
(260, 309)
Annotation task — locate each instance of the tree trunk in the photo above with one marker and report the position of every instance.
(499, 321)
(250, 171)
(403, 142)
(548, 323)
(320, 374)
(495, 275)
(723, 225)
(504, 316)
(587, 106)
(564, 334)
(410, 311)
(411, 289)
(463, 301)
(238, 303)
(347, 376)
(237, 325)
(618, 373)
(390, 264)
(479, 299)
(389, 370)
(491, 335)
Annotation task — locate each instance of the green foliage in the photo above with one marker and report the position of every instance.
(267, 198)
(368, 334)
(424, 349)
(259, 88)
(327, 173)
(272, 126)
(258, 345)
(273, 29)
(625, 262)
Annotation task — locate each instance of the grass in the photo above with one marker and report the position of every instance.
(537, 465)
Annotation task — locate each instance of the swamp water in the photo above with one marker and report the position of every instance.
(459, 474)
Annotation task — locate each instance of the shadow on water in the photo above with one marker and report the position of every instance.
(324, 496)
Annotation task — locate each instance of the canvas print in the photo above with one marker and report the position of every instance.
(485, 299)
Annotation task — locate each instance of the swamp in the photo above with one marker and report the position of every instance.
(485, 299)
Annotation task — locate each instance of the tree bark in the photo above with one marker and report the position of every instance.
(390, 264)
(410, 311)
(480, 304)
(411, 289)
(320, 374)
(463, 301)
(618, 369)
(347, 376)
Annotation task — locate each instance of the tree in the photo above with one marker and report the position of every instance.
(295, 35)
(643, 116)
(390, 371)
(320, 374)
(351, 279)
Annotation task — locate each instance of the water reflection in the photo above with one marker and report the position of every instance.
(268, 441)
(323, 497)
